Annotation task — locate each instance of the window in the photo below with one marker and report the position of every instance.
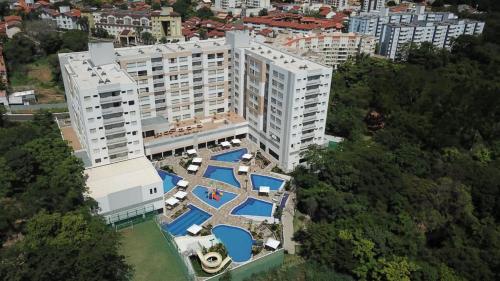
(98, 160)
(131, 102)
(92, 131)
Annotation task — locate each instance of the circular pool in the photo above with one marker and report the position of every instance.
(237, 241)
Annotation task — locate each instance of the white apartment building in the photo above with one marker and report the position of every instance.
(65, 18)
(283, 97)
(396, 37)
(332, 49)
(249, 4)
(193, 95)
(372, 23)
(103, 105)
(372, 5)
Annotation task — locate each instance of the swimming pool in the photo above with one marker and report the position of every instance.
(169, 180)
(222, 174)
(179, 226)
(202, 193)
(231, 156)
(254, 207)
(274, 184)
(237, 240)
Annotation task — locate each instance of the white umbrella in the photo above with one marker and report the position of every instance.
(243, 169)
(225, 143)
(193, 168)
(197, 160)
(264, 189)
(247, 156)
(194, 229)
(182, 183)
(172, 201)
(272, 243)
(191, 151)
(235, 141)
(180, 194)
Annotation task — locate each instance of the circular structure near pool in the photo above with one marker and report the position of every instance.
(237, 241)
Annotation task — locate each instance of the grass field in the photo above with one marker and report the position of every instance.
(147, 251)
(37, 76)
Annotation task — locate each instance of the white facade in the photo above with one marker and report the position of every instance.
(283, 97)
(114, 22)
(372, 5)
(64, 19)
(193, 94)
(232, 4)
(125, 189)
(331, 49)
(103, 106)
(396, 37)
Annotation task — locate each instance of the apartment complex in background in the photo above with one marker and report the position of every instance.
(394, 31)
(64, 18)
(332, 49)
(165, 23)
(295, 23)
(164, 99)
(232, 4)
(368, 6)
(396, 38)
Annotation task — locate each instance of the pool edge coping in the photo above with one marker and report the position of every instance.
(255, 218)
(251, 236)
(208, 165)
(237, 195)
(190, 204)
(260, 174)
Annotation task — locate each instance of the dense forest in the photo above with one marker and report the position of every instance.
(47, 227)
(413, 193)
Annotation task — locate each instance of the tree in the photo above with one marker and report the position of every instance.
(75, 40)
(184, 8)
(4, 9)
(74, 246)
(51, 42)
(100, 32)
(83, 22)
(147, 38)
(156, 6)
(19, 50)
(204, 13)
(263, 12)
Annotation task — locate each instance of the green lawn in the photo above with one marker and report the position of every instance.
(147, 251)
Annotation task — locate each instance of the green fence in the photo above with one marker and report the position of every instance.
(262, 264)
(169, 239)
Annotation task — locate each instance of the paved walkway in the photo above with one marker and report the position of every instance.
(222, 215)
(287, 221)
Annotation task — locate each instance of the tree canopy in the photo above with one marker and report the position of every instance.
(47, 227)
(413, 192)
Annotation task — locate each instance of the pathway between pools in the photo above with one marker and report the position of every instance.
(287, 221)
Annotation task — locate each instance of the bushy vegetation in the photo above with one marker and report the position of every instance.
(47, 230)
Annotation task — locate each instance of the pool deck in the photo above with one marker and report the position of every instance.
(222, 215)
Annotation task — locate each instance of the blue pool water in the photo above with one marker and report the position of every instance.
(179, 226)
(222, 174)
(169, 180)
(231, 156)
(254, 207)
(259, 180)
(202, 193)
(238, 241)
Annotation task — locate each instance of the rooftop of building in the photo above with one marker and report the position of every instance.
(295, 21)
(282, 58)
(107, 179)
(193, 126)
(151, 50)
(90, 75)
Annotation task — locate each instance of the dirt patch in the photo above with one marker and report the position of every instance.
(51, 95)
(41, 73)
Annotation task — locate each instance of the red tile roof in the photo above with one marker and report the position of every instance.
(298, 21)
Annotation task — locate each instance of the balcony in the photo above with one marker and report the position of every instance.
(113, 120)
(158, 72)
(117, 150)
(111, 99)
(113, 109)
(309, 126)
(158, 63)
(311, 101)
(159, 89)
(116, 140)
(310, 109)
(115, 130)
(309, 118)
